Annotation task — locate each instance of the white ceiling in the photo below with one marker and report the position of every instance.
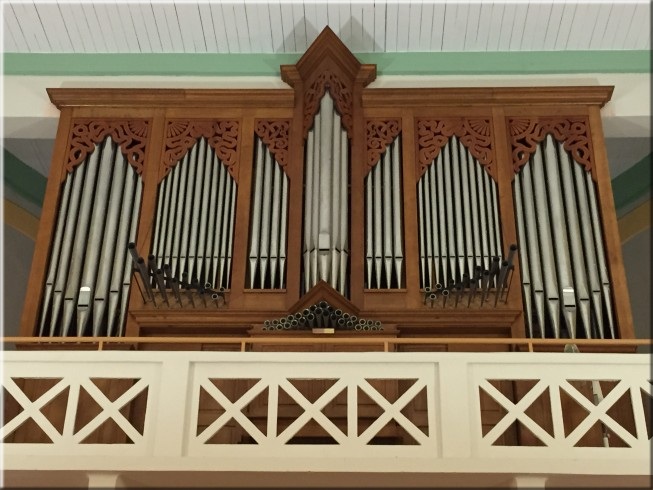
(291, 26)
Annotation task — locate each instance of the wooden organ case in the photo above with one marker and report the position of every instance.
(329, 204)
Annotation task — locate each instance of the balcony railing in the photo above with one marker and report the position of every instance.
(507, 413)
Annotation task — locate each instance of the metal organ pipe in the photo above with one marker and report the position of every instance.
(456, 234)
(90, 245)
(325, 200)
(571, 255)
(384, 231)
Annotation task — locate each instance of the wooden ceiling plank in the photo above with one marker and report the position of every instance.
(288, 28)
(191, 24)
(140, 28)
(368, 28)
(426, 25)
(299, 21)
(507, 22)
(230, 27)
(643, 40)
(611, 28)
(518, 23)
(403, 26)
(32, 28)
(538, 16)
(266, 38)
(414, 23)
(344, 10)
(484, 24)
(242, 27)
(627, 14)
(379, 27)
(391, 27)
(256, 34)
(333, 16)
(495, 27)
(55, 26)
(582, 26)
(151, 28)
(103, 44)
(12, 25)
(552, 26)
(312, 29)
(77, 40)
(600, 25)
(219, 31)
(321, 16)
(278, 39)
(640, 15)
(161, 23)
(93, 44)
(8, 39)
(564, 30)
(356, 20)
(471, 28)
(111, 39)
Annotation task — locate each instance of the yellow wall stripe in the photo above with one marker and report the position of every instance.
(21, 220)
(636, 221)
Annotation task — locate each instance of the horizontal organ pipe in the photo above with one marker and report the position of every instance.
(383, 225)
(325, 252)
(199, 194)
(579, 292)
(267, 242)
(458, 219)
(99, 208)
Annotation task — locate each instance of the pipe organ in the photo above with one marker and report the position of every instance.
(430, 211)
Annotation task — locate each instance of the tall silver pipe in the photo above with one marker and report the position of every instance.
(56, 250)
(196, 207)
(532, 250)
(338, 195)
(344, 212)
(525, 268)
(483, 208)
(326, 162)
(79, 240)
(430, 223)
(442, 231)
(397, 214)
(600, 253)
(266, 207)
(224, 236)
(214, 172)
(473, 192)
(108, 161)
(126, 269)
(449, 203)
(223, 177)
(378, 226)
(122, 263)
(308, 211)
(182, 168)
(283, 233)
(255, 237)
(497, 221)
(369, 229)
(201, 263)
(458, 207)
(172, 202)
(577, 255)
(427, 222)
(546, 252)
(230, 237)
(188, 210)
(464, 180)
(488, 194)
(159, 228)
(387, 217)
(108, 259)
(315, 207)
(274, 232)
(559, 235)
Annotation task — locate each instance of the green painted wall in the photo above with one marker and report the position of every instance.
(434, 63)
(24, 180)
(632, 184)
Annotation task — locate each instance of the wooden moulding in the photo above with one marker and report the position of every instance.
(169, 98)
(487, 96)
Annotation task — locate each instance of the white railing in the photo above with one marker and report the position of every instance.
(438, 407)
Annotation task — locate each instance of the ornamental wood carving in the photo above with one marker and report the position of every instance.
(341, 94)
(474, 133)
(222, 136)
(275, 133)
(380, 133)
(130, 135)
(526, 133)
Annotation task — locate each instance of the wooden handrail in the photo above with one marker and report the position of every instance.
(385, 342)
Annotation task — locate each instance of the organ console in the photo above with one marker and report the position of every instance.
(421, 211)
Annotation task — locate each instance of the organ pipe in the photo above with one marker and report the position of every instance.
(563, 260)
(383, 191)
